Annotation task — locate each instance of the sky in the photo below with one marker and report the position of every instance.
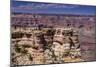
(51, 8)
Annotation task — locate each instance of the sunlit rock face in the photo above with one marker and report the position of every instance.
(44, 39)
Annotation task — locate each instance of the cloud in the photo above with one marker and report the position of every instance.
(31, 6)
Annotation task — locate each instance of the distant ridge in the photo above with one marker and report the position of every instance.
(55, 14)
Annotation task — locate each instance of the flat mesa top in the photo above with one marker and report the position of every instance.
(51, 8)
